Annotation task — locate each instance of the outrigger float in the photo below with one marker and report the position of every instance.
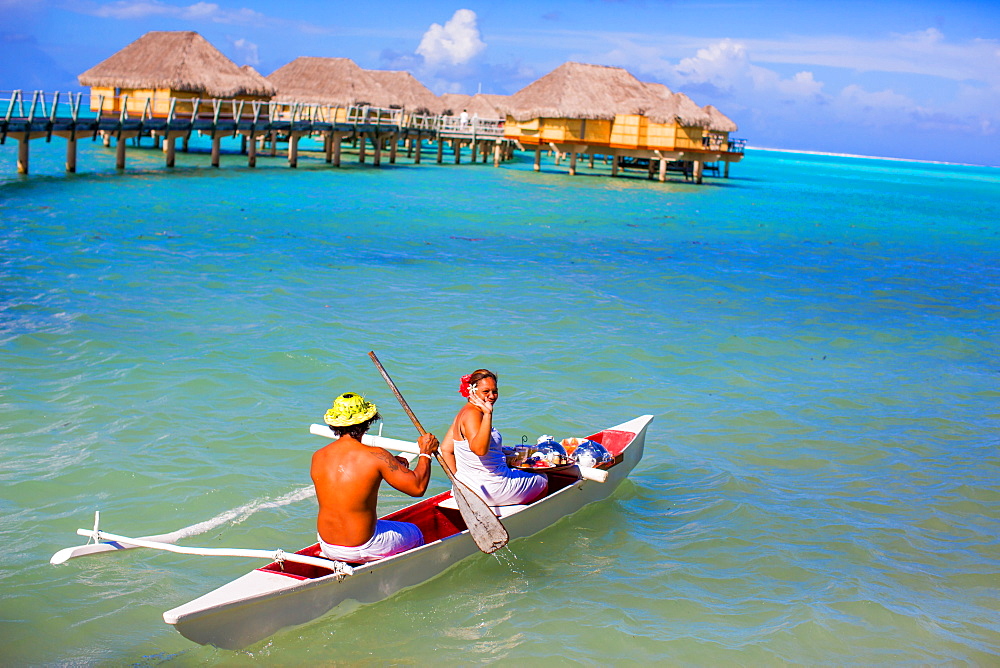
(299, 587)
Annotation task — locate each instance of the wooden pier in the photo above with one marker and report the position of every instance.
(262, 125)
(372, 132)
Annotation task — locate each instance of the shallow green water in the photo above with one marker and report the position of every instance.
(817, 337)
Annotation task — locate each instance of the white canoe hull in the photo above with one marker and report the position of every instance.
(262, 602)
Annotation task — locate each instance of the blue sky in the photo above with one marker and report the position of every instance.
(908, 79)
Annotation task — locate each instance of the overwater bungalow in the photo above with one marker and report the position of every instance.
(593, 109)
(165, 70)
(573, 103)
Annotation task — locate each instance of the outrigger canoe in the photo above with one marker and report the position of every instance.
(284, 594)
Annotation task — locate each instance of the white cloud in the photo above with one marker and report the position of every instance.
(923, 37)
(925, 52)
(723, 65)
(199, 11)
(858, 99)
(455, 43)
(247, 52)
(134, 10)
(732, 75)
(726, 67)
(883, 108)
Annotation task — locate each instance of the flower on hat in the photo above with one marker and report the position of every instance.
(349, 409)
(463, 388)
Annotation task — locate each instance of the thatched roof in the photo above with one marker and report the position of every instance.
(181, 61)
(257, 76)
(719, 122)
(336, 81)
(405, 91)
(456, 102)
(576, 90)
(483, 105)
(489, 106)
(667, 107)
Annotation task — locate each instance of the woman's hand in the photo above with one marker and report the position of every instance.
(480, 403)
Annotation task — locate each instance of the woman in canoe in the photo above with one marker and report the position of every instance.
(472, 448)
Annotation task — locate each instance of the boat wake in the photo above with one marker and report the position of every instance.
(234, 516)
(238, 515)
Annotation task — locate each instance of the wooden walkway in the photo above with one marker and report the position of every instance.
(260, 124)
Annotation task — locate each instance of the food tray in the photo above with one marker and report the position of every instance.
(545, 469)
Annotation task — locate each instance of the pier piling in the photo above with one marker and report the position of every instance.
(71, 153)
(22, 156)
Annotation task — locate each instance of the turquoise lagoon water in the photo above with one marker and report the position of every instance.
(816, 336)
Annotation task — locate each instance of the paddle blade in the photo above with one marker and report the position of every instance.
(485, 527)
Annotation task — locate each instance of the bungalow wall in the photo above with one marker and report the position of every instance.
(629, 131)
(672, 136)
(560, 130)
(105, 99)
(525, 131)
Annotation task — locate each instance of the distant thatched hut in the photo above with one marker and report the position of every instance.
(481, 105)
(403, 90)
(452, 104)
(332, 81)
(488, 107)
(258, 77)
(163, 65)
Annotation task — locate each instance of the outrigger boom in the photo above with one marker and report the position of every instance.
(277, 556)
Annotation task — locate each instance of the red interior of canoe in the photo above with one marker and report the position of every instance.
(437, 522)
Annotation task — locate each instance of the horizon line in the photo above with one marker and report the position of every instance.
(868, 157)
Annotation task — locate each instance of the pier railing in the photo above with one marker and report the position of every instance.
(423, 122)
(455, 126)
(717, 142)
(39, 111)
(41, 107)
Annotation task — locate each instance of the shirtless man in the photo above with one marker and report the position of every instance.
(347, 475)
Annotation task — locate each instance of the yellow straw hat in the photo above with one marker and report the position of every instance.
(349, 409)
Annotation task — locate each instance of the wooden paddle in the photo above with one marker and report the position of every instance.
(485, 527)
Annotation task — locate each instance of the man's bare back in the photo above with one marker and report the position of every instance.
(347, 475)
